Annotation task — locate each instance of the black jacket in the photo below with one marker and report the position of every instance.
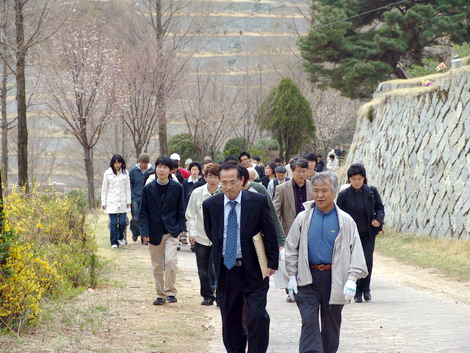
(255, 217)
(372, 204)
(156, 215)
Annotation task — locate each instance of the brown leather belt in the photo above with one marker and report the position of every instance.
(321, 267)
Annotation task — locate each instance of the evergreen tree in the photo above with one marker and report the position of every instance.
(378, 40)
(287, 115)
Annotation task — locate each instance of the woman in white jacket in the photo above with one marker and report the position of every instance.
(116, 198)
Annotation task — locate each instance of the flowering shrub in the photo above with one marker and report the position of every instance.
(47, 246)
(24, 279)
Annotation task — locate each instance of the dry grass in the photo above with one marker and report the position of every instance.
(119, 316)
(450, 257)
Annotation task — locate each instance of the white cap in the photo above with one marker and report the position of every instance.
(175, 156)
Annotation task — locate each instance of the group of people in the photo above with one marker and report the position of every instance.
(321, 249)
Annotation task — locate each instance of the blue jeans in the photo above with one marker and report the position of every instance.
(117, 225)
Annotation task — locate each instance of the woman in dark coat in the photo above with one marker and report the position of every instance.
(362, 202)
(270, 174)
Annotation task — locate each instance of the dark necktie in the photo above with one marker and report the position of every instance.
(231, 241)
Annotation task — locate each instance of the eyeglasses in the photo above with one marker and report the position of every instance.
(224, 184)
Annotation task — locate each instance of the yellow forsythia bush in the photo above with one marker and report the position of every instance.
(46, 246)
(24, 279)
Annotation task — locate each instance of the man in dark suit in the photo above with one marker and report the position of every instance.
(231, 220)
(161, 220)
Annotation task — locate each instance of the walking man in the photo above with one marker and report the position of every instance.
(161, 220)
(231, 220)
(290, 196)
(324, 259)
(137, 176)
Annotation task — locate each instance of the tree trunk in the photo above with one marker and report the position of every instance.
(161, 99)
(21, 96)
(4, 127)
(88, 153)
(1, 205)
(162, 132)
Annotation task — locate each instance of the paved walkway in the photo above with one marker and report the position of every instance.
(399, 319)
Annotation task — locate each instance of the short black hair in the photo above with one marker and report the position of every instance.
(195, 164)
(167, 161)
(257, 158)
(243, 154)
(230, 166)
(357, 169)
(298, 161)
(277, 160)
(309, 156)
(231, 158)
(117, 158)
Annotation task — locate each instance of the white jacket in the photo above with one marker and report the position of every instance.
(116, 191)
(348, 260)
(194, 216)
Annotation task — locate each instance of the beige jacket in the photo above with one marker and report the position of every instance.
(348, 257)
(194, 216)
(284, 203)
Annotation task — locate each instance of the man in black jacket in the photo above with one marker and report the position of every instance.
(161, 220)
(231, 220)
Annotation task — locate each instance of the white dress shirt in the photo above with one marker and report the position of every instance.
(238, 210)
(194, 215)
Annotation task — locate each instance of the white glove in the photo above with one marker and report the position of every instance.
(292, 287)
(349, 289)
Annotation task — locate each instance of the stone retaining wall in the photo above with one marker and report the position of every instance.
(416, 151)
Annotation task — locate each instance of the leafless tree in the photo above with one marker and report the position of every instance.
(210, 110)
(32, 20)
(82, 81)
(174, 23)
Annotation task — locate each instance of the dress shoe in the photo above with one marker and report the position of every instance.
(358, 299)
(171, 299)
(134, 238)
(159, 301)
(208, 301)
(367, 297)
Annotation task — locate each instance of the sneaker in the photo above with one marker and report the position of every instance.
(367, 297)
(114, 246)
(122, 241)
(208, 301)
(289, 300)
(159, 301)
(171, 299)
(358, 299)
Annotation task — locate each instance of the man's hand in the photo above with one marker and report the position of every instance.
(349, 289)
(375, 223)
(146, 239)
(271, 271)
(292, 287)
(192, 240)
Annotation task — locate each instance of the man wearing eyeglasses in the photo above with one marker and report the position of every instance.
(231, 220)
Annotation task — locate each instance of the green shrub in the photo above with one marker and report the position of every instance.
(235, 146)
(183, 145)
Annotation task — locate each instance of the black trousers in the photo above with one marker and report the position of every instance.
(134, 224)
(233, 289)
(312, 300)
(368, 245)
(205, 269)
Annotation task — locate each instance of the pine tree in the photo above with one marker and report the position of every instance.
(287, 115)
(354, 55)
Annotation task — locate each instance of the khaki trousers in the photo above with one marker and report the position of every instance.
(164, 258)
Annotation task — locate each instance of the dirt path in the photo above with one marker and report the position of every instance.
(120, 317)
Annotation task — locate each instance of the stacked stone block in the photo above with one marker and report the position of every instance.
(416, 151)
